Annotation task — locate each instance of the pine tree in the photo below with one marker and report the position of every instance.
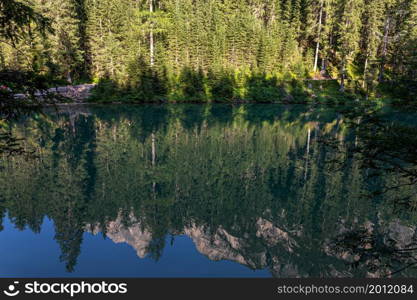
(371, 38)
(350, 13)
(318, 36)
(65, 44)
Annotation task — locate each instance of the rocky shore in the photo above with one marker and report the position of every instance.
(77, 93)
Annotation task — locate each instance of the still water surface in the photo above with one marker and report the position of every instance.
(210, 191)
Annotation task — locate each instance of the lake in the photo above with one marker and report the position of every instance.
(188, 190)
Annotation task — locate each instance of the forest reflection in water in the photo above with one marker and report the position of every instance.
(297, 190)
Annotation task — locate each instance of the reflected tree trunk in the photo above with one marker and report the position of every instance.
(307, 153)
(153, 162)
(153, 149)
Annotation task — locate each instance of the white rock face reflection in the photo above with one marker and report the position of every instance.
(221, 245)
(135, 235)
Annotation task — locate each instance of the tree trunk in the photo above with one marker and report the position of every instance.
(384, 49)
(342, 76)
(365, 70)
(151, 41)
(316, 57)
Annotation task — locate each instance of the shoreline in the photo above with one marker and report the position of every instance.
(317, 94)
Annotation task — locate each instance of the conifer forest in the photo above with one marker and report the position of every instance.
(220, 50)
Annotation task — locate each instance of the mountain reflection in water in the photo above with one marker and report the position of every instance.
(295, 190)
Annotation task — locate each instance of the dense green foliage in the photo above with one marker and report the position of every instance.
(223, 167)
(208, 50)
(19, 21)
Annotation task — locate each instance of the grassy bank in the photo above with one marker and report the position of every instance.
(203, 89)
(236, 87)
